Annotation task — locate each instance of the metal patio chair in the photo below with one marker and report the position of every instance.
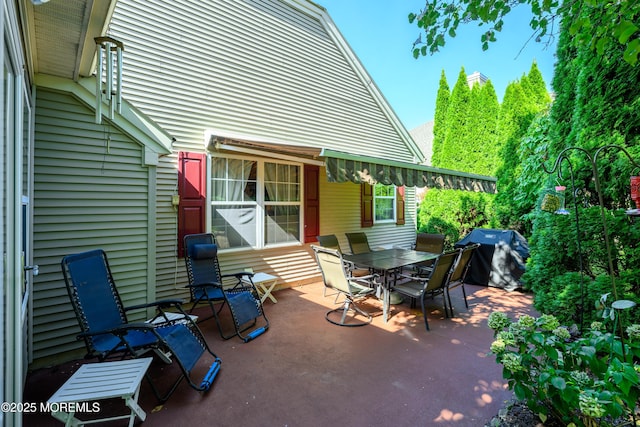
(107, 333)
(460, 272)
(422, 287)
(428, 242)
(337, 278)
(206, 286)
(331, 241)
(358, 243)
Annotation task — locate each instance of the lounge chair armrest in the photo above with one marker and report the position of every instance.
(120, 330)
(165, 303)
(239, 274)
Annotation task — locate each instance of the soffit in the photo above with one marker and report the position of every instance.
(61, 35)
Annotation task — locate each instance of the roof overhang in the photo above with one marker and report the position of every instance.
(131, 120)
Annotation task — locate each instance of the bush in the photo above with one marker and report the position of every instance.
(558, 265)
(586, 381)
(455, 213)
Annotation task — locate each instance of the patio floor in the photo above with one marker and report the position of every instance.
(307, 372)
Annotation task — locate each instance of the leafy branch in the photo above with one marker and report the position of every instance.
(594, 23)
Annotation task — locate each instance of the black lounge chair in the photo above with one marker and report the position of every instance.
(206, 286)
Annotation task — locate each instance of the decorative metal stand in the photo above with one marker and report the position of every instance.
(593, 159)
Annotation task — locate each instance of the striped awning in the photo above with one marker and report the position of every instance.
(345, 167)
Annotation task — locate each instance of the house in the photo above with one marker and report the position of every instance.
(251, 119)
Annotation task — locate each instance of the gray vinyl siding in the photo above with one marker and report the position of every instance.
(276, 69)
(254, 67)
(91, 191)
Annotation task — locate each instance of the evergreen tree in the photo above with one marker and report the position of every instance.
(540, 94)
(457, 116)
(486, 156)
(440, 118)
(517, 111)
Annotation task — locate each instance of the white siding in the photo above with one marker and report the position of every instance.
(91, 191)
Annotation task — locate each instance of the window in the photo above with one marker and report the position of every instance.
(384, 203)
(254, 203)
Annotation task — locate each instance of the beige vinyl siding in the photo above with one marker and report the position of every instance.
(91, 191)
(272, 68)
(340, 214)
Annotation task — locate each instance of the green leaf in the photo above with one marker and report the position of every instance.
(632, 51)
(600, 44)
(412, 17)
(625, 30)
(588, 351)
(520, 391)
(416, 53)
(559, 383)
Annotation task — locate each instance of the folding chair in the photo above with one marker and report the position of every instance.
(205, 286)
(107, 333)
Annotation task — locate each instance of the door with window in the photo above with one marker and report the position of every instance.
(17, 236)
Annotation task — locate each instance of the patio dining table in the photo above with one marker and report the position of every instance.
(387, 262)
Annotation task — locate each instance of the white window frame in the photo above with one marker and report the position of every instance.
(393, 199)
(260, 203)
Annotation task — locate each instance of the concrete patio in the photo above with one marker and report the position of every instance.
(307, 372)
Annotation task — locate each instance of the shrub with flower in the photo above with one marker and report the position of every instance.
(581, 381)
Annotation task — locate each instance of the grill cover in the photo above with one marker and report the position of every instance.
(500, 259)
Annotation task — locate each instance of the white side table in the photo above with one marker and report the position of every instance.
(97, 381)
(265, 283)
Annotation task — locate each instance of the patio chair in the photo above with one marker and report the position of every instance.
(107, 333)
(460, 272)
(422, 287)
(331, 241)
(336, 278)
(358, 243)
(428, 242)
(205, 286)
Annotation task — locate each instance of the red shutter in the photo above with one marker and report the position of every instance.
(399, 205)
(311, 203)
(192, 192)
(366, 205)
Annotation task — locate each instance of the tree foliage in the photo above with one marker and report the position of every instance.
(455, 213)
(594, 24)
(524, 100)
(456, 127)
(440, 116)
(597, 105)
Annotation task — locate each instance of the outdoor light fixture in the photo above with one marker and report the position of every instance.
(109, 68)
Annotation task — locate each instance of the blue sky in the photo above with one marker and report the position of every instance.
(379, 32)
